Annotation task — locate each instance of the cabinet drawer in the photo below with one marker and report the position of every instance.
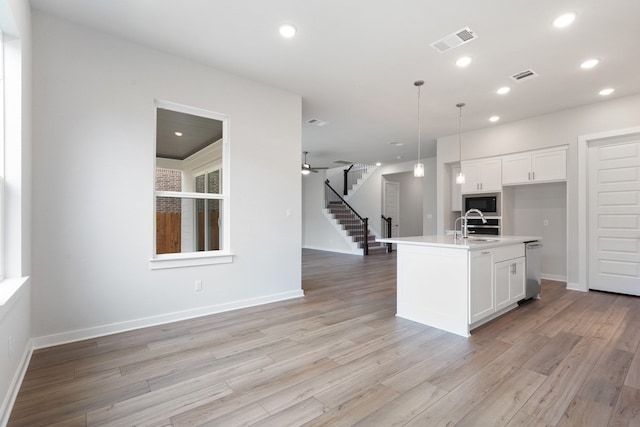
(504, 253)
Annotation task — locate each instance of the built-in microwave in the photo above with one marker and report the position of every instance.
(488, 204)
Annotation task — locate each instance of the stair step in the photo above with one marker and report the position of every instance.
(354, 227)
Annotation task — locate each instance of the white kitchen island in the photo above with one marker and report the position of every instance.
(459, 284)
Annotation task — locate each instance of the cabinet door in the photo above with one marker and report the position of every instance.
(490, 172)
(482, 176)
(502, 282)
(517, 280)
(549, 166)
(516, 169)
(471, 178)
(481, 298)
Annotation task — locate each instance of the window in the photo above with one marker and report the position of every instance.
(191, 187)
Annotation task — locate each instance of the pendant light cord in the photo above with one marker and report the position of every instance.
(418, 84)
(460, 105)
(419, 127)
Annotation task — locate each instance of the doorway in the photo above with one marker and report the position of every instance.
(391, 204)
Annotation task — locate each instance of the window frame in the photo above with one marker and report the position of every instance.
(187, 259)
(3, 143)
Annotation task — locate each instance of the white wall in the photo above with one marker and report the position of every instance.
(541, 210)
(549, 130)
(15, 292)
(94, 150)
(318, 233)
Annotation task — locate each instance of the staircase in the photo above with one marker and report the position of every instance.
(354, 227)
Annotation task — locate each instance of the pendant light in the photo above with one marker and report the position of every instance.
(418, 168)
(460, 177)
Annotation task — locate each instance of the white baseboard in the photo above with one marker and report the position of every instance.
(14, 387)
(317, 248)
(576, 287)
(555, 277)
(99, 331)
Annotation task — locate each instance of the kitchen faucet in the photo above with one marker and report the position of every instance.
(465, 228)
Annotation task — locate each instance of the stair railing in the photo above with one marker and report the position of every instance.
(352, 175)
(386, 227)
(331, 195)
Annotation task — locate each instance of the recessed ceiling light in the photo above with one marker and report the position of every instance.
(177, 133)
(378, 164)
(607, 91)
(589, 63)
(494, 118)
(463, 62)
(503, 90)
(287, 30)
(564, 20)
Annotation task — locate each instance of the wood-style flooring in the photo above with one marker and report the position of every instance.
(340, 357)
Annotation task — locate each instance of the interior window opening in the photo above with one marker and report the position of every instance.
(188, 183)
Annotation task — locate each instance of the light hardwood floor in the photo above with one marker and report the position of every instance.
(339, 357)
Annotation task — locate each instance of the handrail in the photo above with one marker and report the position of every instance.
(344, 201)
(365, 221)
(351, 177)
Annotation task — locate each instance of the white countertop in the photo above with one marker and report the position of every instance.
(450, 242)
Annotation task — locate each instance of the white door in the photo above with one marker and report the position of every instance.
(614, 215)
(392, 205)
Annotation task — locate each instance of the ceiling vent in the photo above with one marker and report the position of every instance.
(524, 75)
(456, 39)
(342, 162)
(317, 122)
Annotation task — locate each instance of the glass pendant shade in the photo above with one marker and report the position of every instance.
(418, 170)
(460, 178)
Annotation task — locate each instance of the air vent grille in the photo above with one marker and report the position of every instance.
(342, 162)
(524, 75)
(316, 122)
(456, 39)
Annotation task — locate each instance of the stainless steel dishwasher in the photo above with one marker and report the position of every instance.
(533, 254)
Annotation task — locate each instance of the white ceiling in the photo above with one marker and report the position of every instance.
(354, 61)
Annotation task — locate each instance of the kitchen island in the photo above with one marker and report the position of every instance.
(459, 284)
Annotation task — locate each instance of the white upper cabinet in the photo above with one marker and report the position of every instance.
(482, 176)
(535, 167)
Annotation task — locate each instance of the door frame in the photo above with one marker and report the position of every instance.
(386, 182)
(583, 197)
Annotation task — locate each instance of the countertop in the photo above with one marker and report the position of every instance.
(450, 242)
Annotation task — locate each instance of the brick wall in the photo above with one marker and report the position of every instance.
(168, 180)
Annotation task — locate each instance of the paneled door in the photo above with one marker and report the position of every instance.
(392, 205)
(614, 215)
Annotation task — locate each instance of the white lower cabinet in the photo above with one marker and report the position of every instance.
(497, 280)
(481, 299)
(510, 282)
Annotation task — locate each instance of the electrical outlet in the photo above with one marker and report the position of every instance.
(198, 285)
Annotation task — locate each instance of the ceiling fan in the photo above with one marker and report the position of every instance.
(306, 167)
